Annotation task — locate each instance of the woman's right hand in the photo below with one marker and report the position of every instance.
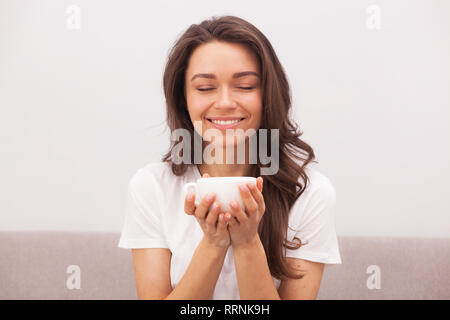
(212, 221)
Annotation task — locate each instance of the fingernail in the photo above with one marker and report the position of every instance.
(251, 186)
(243, 188)
(234, 204)
(215, 206)
(190, 196)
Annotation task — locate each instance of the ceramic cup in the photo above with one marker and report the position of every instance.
(225, 188)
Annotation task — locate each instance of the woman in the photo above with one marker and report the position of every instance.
(224, 73)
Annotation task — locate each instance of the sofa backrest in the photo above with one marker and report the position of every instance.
(41, 265)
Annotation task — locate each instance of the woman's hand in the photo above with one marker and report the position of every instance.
(243, 226)
(212, 221)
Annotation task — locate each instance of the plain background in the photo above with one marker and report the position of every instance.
(82, 109)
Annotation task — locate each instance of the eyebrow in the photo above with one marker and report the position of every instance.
(236, 75)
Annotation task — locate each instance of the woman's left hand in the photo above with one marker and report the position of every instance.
(243, 225)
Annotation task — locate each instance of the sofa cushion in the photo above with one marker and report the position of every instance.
(34, 265)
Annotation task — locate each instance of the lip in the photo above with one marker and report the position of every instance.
(225, 126)
(225, 118)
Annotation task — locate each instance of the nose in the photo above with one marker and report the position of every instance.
(225, 99)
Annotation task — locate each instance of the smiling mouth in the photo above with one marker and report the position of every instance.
(224, 122)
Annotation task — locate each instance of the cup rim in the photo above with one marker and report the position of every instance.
(226, 178)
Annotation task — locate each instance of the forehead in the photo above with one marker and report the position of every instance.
(222, 58)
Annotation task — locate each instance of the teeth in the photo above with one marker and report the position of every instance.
(225, 122)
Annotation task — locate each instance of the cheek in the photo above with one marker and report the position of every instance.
(255, 101)
(255, 108)
(196, 106)
(196, 109)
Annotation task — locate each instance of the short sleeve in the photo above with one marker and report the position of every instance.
(313, 221)
(143, 224)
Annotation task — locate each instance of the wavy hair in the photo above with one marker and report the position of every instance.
(280, 190)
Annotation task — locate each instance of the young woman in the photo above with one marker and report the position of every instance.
(220, 70)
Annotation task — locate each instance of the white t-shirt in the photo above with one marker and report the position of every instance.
(155, 218)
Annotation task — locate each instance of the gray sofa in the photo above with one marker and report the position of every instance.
(34, 265)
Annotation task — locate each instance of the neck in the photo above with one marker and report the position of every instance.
(227, 170)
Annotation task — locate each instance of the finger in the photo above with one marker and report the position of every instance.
(213, 214)
(237, 212)
(189, 203)
(205, 175)
(260, 183)
(257, 195)
(232, 222)
(222, 224)
(203, 207)
(251, 207)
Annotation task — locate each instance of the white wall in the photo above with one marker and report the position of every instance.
(81, 110)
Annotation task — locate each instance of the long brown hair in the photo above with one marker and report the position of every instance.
(280, 190)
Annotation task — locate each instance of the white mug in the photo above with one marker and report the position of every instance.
(226, 189)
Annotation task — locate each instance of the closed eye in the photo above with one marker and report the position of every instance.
(244, 88)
